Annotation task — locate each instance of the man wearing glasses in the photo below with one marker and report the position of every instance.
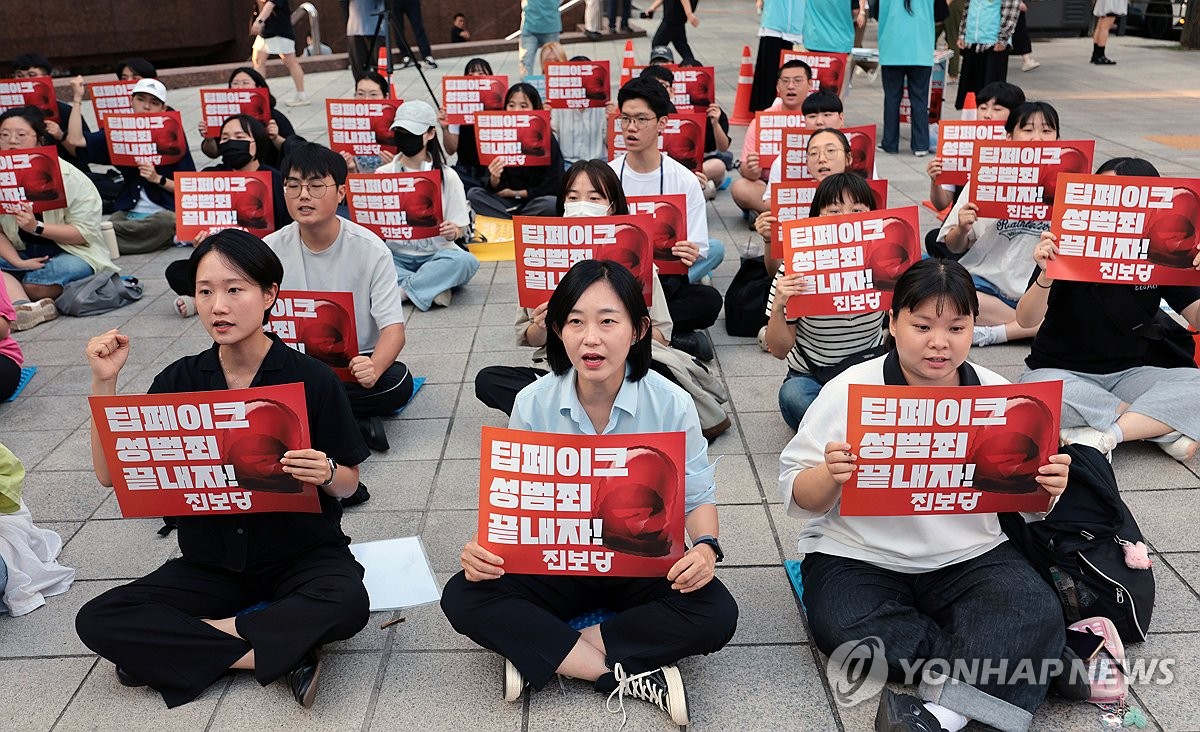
(792, 88)
(324, 252)
(645, 171)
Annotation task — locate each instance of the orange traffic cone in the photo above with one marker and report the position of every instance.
(628, 61)
(970, 109)
(741, 103)
(382, 64)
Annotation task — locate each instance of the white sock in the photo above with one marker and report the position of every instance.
(950, 720)
(1116, 431)
(999, 333)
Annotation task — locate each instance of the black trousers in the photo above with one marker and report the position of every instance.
(671, 31)
(766, 71)
(978, 70)
(412, 10)
(10, 376)
(151, 628)
(692, 306)
(498, 386)
(523, 618)
(392, 390)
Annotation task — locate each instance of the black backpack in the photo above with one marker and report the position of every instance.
(1079, 548)
(746, 299)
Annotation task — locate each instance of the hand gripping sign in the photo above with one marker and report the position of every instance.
(35, 92)
(520, 139)
(156, 138)
(664, 220)
(111, 97)
(1016, 180)
(926, 450)
(829, 69)
(792, 200)
(320, 324)
(217, 105)
(577, 84)
(205, 453)
(595, 505)
(956, 146)
(850, 264)
(210, 201)
(397, 206)
(1141, 231)
(463, 96)
(794, 148)
(31, 177)
(361, 126)
(546, 248)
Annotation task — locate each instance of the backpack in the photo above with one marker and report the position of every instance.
(99, 293)
(1082, 548)
(746, 299)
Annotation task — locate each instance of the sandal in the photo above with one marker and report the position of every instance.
(185, 305)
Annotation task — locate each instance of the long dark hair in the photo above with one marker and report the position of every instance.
(603, 179)
(943, 280)
(535, 99)
(837, 186)
(1028, 111)
(246, 253)
(259, 81)
(629, 291)
(1129, 166)
(479, 64)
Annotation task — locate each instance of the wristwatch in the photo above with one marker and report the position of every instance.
(39, 229)
(332, 472)
(712, 542)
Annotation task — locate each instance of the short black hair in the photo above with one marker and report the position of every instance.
(256, 130)
(690, 62)
(478, 64)
(603, 179)
(658, 73)
(572, 286)
(938, 279)
(313, 160)
(246, 253)
(139, 66)
(835, 187)
(822, 100)
(1006, 95)
(1129, 166)
(32, 61)
(649, 91)
(795, 64)
(1028, 111)
(457, 16)
(530, 92)
(375, 78)
(32, 115)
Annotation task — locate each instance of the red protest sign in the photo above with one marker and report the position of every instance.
(520, 139)
(111, 97)
(217, 105)
(37, 91)
(664, 219)
(205, 453)
(361, 126)
(148, 137)
(215, 200)
(397, 206)
(850, 263)
(546, 248)
(1015, 180)
(956, 146)
(791, 201)
(463, 96)
(770, 134)
(31, 176)
(1128, 229)
(683, 139)
(320, 324)
(794, 149)
(600, 505)
(829, 69)
(923, 452)
(577, 84)
(694, 89)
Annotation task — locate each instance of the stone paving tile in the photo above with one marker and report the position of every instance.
(123, 549)
(458, 690)
(37, 690)
(103, 704)
(399, 485)
(64, 495)
(50, 630)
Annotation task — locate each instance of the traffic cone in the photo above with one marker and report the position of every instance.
(970, 109)
(628, 61)
(741, 103)
(382, 64)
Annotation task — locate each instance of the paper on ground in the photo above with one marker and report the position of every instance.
(398, 573)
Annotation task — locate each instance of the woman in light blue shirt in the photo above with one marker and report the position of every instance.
(598, 347)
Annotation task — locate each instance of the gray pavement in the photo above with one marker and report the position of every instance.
(421, 674)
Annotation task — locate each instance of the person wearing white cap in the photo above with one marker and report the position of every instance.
(428, 269)
(144, 217)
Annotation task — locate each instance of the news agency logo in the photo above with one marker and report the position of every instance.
(857, 670)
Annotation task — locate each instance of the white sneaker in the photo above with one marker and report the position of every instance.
(443, 298)
(982, 336)
(1102, 441)
(662, 687)
(30, 314)
(514, 682)
(762, 339)
(710, 190)
(1182, 449)
(300, 99)
(1030, 65)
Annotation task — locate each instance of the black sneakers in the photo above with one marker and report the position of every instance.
(662, 687)
(904, 713)
(695, 343)
(373, 433)
(302, 679)
(360, 495)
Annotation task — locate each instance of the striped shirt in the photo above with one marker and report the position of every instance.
(829, 339)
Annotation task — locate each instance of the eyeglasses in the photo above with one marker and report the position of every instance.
(22, 136)
(629, 123)
(827, 152)
(790, 81)
(316, 188)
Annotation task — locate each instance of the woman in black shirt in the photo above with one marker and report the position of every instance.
(182, 626)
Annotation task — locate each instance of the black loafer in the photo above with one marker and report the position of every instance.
(695, 343)
(302, 679)
(373, 433)
(361, 495)
(904, 713)
(126, 679)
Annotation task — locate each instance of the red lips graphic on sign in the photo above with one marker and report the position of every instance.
(253, 205)
(894, 254)
(1173, 233)
(31, 176)
(1071, 160)
(327, 339)
(637, 509)
(664, 219)
(33, 92)
(255, 452)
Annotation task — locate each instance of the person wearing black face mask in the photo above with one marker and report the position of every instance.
(242, 142)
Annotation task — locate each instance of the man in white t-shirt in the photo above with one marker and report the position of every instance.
(645, 171)
(322, 251)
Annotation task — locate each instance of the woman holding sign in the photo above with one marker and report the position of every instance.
(279, 129)
(1115, 388)
(946, 590)
(181, 627)
(598, 346)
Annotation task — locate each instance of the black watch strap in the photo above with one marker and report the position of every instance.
(333, 466)
(712, 542)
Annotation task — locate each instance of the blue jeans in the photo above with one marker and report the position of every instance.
(530, 43)
(423, 278)
(702, 267)
(60, 269)
(894, 79)
(796, 393)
